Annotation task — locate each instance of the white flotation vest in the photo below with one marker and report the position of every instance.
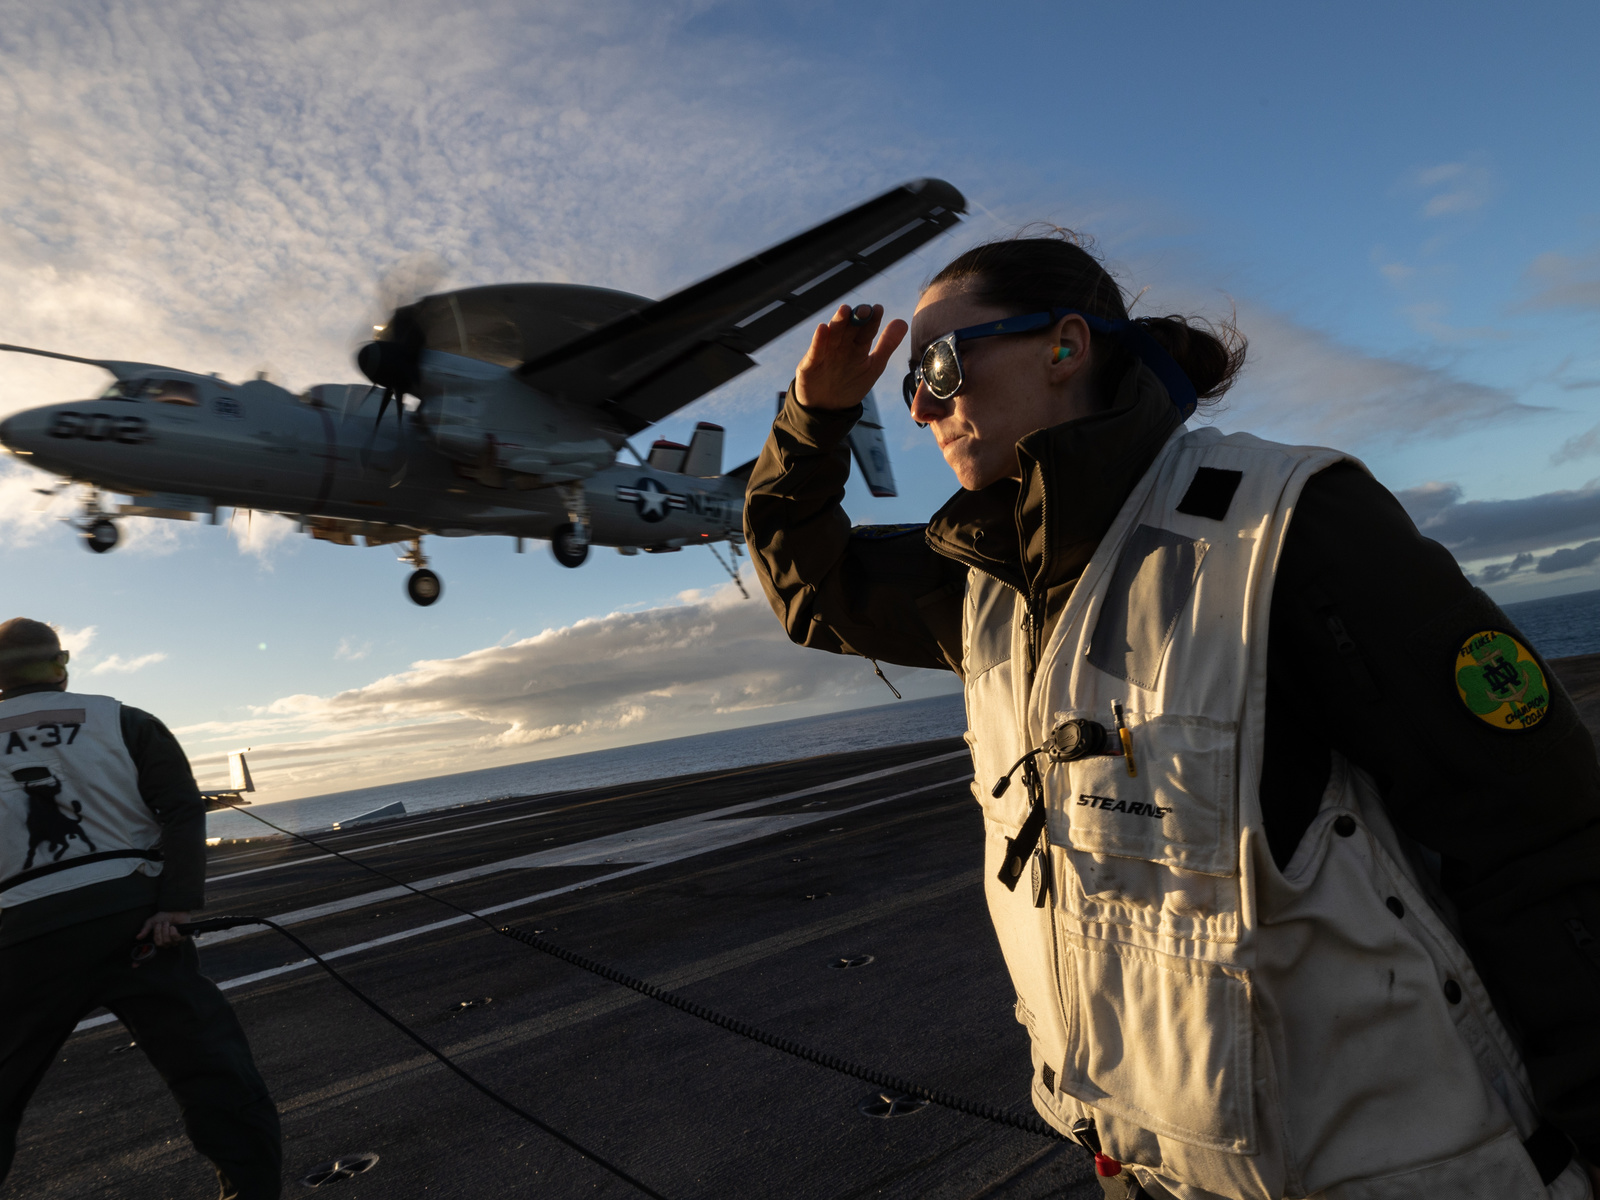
(1233, 1030)
(70, 810)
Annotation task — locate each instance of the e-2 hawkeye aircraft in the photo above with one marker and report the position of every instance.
(524, 394)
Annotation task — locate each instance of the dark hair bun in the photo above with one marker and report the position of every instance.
(1210, 355)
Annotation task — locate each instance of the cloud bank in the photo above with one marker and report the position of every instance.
(1544, 534)
(711, 662)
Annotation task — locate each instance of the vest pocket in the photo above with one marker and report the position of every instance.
(1178, 810)
(1156, 851)
(1163, 1042)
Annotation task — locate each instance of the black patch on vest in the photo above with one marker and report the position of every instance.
(1210, 493)
(1048, 1078)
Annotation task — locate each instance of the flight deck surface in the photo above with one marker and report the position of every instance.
(740, 889)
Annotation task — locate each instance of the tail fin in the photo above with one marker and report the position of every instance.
(239, 773)
(667, 456)
(872, 455)
(704, 458)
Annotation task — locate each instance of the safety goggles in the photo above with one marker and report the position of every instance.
(940, 369)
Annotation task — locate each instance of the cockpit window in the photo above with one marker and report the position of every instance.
(174, 391)
(161, 391)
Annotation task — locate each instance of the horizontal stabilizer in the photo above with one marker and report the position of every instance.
(652, 362)
(872, 454)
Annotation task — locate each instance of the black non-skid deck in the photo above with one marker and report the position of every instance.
(748, 911)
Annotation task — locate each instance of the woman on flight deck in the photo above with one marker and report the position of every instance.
(1299, 881)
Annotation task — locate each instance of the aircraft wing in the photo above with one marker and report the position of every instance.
(649, 363)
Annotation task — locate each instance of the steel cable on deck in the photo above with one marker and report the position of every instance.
(1027, 1123)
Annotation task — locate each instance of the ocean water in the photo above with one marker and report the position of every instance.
(1557, 627)
(1560, 625)
(860, 729)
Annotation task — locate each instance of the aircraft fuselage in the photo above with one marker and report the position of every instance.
(326, 460)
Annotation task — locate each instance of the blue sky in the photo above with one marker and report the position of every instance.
(1401, 203)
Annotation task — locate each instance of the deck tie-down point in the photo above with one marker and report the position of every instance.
(844, 964)
(884, 1105)
(339, 1168)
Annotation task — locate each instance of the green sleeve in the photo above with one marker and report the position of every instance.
(167, 787)
(875, 591)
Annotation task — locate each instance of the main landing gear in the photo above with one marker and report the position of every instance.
(570, 542)
(570, 545)
(422, 585)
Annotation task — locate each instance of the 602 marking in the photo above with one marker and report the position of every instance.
(100, 427)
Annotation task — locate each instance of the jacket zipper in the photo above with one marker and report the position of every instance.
(1350, 653)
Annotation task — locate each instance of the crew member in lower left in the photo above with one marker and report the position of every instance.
(102, 845)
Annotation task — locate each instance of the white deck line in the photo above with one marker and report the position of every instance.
(668, 842)
(646, 844)
(421, 837)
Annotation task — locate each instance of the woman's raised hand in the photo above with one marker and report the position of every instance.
(842, 364)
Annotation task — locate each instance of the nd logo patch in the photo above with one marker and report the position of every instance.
(1499, 681)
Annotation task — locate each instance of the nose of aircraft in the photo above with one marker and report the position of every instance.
(22, 432)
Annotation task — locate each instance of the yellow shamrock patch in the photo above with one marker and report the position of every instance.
(1499, 681)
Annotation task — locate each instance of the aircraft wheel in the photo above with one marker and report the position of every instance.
(424, 587)
(101, 536)
(569, 549)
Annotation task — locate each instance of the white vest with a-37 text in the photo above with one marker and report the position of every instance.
(70, 809)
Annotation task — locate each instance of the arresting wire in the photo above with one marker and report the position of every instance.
(1027, 1123)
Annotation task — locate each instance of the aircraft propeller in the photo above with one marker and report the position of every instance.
(392, 360)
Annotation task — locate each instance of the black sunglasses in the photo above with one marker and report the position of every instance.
(940, 369)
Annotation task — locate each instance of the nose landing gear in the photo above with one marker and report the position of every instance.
(100, 532)
(422, 585)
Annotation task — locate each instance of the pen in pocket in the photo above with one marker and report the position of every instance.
(1122, 734)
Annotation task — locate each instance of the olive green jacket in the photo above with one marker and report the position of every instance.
(1367, 618)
